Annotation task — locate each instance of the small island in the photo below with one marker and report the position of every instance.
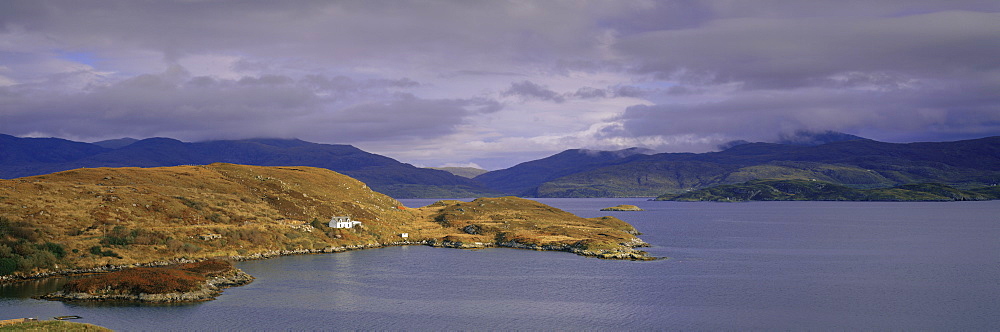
(189, 282)
(623, 207)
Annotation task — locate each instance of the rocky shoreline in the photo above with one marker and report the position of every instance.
(626, 252)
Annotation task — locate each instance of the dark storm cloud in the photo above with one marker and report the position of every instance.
(404, 117)
(611, 92)
(955, 112)
(924, 72)
(529, 90)
(353, 31)
(794, 52)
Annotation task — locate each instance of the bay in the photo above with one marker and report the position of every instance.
(732, 266)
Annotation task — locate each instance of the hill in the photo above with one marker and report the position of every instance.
(465, 172)
(523, 179)
(94, 217)
(853, 163)
(21, 157)
(805, 190)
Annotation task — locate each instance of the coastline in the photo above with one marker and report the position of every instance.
(626, 251)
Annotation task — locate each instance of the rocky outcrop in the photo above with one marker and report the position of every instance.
(626, 251)
(623, 207)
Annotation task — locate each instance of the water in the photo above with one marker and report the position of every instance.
(733, 266)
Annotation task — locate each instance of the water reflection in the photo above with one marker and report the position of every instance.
(769, 266)
(32, 288)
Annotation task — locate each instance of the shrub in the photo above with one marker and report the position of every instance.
(96, 250)
(17, 230)
(191, 204)
(318, 224)
(8, 265)
(56, 249)
(119, 236)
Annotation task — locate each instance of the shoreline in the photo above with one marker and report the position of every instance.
(626, 251)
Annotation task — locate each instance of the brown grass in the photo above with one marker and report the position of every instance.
(138, 280)
(54, 325)
(151, 280)
(154, 214)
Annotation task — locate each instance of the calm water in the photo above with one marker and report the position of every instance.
(742, 266)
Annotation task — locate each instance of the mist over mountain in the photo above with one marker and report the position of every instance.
(812, 138)
(801, 137)
(21, 157)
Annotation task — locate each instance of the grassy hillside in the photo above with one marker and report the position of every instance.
(806, 190)
(94, 217)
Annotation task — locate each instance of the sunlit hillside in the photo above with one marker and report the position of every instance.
(93, 217)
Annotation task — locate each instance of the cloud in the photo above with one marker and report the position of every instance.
(527, 89)
(792, 52)
(175, 104)
(493, 82)
(879, 114)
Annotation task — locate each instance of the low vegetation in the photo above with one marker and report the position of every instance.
(151, 280)
(54, 325)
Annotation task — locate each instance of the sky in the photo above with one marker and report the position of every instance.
(494, 83)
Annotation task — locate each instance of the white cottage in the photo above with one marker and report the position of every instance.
(343, 222)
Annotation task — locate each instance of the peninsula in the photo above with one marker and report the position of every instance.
(105, 219)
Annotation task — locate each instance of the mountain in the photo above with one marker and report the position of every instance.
(465, 172)
(812, 138)
(116, 143)
(96, 217)
(524, 178)
(808, 190)
(33, 156)
(857, 163)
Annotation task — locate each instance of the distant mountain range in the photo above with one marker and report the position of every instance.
(21, 157)
(831, 157)
(840, 159)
